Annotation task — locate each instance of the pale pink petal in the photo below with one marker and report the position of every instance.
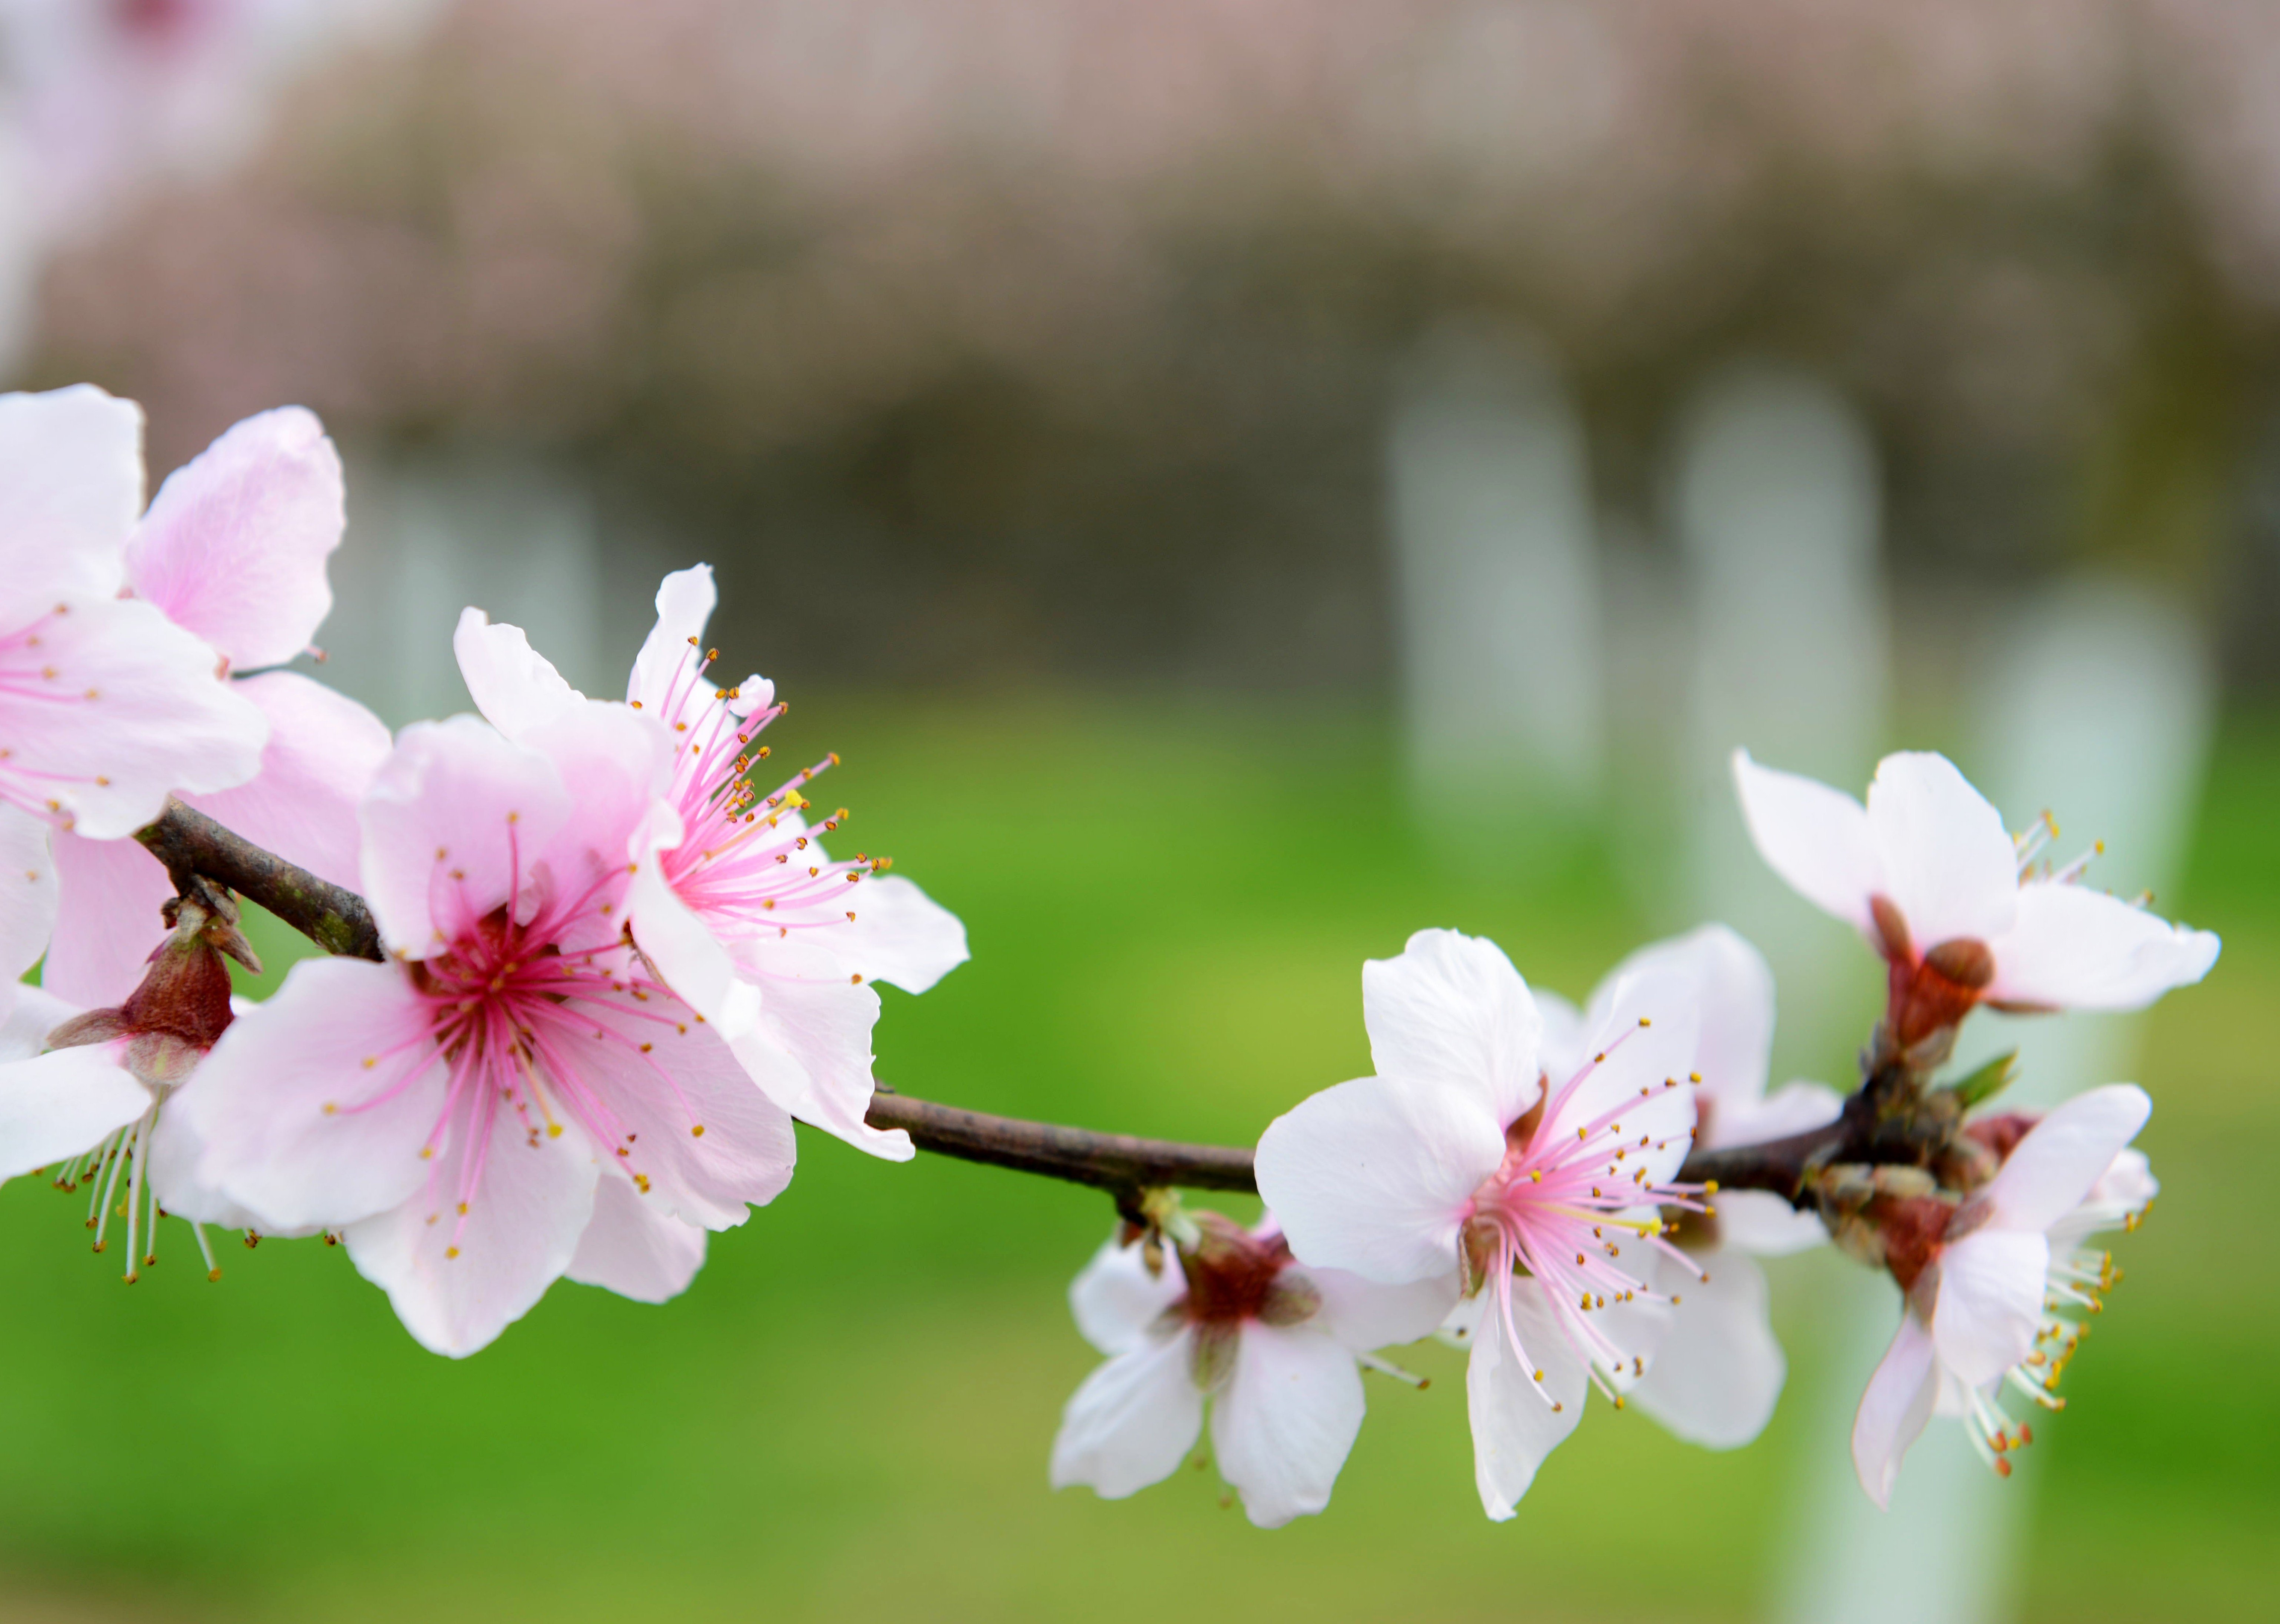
(1376, 1176)
(71, 462)
(323, 749)
(633, 1249)
(2122, 1190)
(617, 763)
(1893, 1410)
(175, 1152)
(1758, 1222)
(1814, 837)
(688, 958)
(708, 1142)
(284, 1106)
(1989, 1302)
(661, 670)
(811, 1053)
(451, 822)
(1451, 1010)
(515, 687)
(1733, 998)
(63, 1103)
(31, 1015)
(234, 544)
(108, 920)
(1116, 1301)
(114, 707)
(1365, 1316)
(2074, 947)
(28, 892)
(1720, 1371)
(2049, 1172)
(1949, 864)
(899, 934)
(1516, 1426)
(1286, 1421)
(458, 1279)
(1132, 1422)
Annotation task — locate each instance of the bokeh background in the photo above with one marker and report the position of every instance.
(1239, 480)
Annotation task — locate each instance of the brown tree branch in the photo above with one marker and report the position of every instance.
(193, 847)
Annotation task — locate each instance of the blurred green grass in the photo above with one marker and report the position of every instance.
(848, 1413)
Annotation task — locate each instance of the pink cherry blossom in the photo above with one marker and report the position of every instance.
(511, 1097)
(106, 704)
(1992, 1286)
(1927, 874)
(1275, 1347)
(234, 549)
(734, 900)
(1721, 1371)
(1457, 1154)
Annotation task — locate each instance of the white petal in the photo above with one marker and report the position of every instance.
(2075, 948)
(28, 892)
(258, 1102)
(684, 603)
(1720, 1371)
(1453, 1011)
(811, 1053)
(1514, 1428)
(1989, 1302)
(2049, 1172)
(2124, 1189)
(175, 1152)
(234, 544)
(1645, 1071)
(1894, 1409)
(1560, 1050)
(1733, 999)
(1374, 1176)
(33, 1013)
(899, 936)
(63, 1103)
(71, 462)
(1949, 864)
(457, 1280)
(516, 688)
(1793, 1108)
(1365, 1316)
(1815, 838)
(1286, 1421)
(1115, 1300)
(1132, 1422)
(1761, 1222)
(634, 1249)
(451, 823)
(127, 709)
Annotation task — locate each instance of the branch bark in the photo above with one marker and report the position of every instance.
(194, 846)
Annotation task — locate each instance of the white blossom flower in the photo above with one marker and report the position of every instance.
(1956, 906)
(1719, 1371)
(1993, 1285)
(734, 900)
(1458, 1152)
(1274, 1346)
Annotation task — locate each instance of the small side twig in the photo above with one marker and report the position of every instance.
(192, 846)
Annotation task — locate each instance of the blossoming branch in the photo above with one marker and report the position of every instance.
(588, 959)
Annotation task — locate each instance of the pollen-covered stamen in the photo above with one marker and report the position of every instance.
(2077, 1280)
(1568, 1197)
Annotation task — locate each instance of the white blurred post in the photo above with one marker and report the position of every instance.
(516, 537)
(1498, 584)
(2099, 708)
(1779, 516)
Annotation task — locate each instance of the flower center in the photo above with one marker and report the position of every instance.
(1572, 1193)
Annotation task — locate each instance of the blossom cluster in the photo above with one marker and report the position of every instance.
(616, 962)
